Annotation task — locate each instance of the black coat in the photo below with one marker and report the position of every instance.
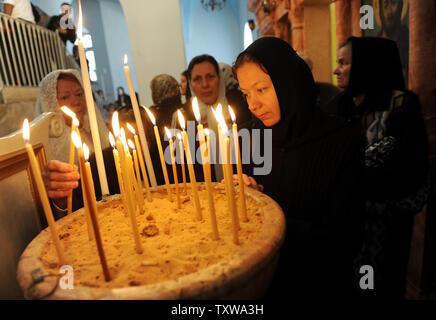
(317, 161)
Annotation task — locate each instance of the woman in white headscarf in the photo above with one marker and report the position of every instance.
(64, 88)
(207, 81)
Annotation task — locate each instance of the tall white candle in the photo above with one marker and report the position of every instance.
(139, 125)
(91, 109)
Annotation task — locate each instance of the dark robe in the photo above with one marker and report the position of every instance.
(396, 168)
(317, 161)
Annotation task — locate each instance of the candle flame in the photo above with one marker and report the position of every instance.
(131, 144)
(181, 119)
(220, 118)
(179, 136)
(68, 112)
(71, 114)
(123, 140)
(196, 109)
(116, 124)
(131, 129)
(26, 131)
(126, 59)
(112, 140)
(206, 132)
(232, 114)
(80, 22)
(86, 152)
(76, 140)
(168, 133)
(150, 115)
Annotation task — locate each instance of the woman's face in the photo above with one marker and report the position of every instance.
(205, 82)
(260, 93)
(183, 84)
(71, 94)
(344, 66)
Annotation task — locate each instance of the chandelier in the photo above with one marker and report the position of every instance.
(213, 4)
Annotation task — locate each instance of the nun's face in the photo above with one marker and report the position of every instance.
(257, 87)
(183, 84)
(71, 94)
(205, 82)
(344, 66)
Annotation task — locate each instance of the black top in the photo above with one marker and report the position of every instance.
(317, 161)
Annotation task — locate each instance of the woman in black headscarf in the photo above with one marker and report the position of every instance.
(316, 165)
(396, 169)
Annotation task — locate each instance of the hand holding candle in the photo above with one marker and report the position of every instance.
(42, 193)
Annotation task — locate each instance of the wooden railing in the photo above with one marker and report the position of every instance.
(28, 52)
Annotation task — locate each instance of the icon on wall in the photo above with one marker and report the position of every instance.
(392, 22)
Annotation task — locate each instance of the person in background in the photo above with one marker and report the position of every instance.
(64, 88)
(64, 24)
(184, 87)
(20, 9)
(208, 84)
(396, 180)
(316, 168)
(123, 100)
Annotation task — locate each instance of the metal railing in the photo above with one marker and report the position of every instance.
(28, 52)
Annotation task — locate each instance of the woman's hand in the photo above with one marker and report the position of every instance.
(248, 181)
(60, 179)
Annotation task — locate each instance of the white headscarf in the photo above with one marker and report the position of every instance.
(208, 119)
(47, 102)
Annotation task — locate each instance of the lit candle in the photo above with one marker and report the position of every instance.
(239, 167)
(118, 168)
(91, 108)
(42, 193)
(182, 161)
(85, 199)
(207, 134)
(74, 125)
(139, 125)
(173, 163)
(85, 175)
(207, 177)
(141, 162)
(190, 167)
(161, 154)
(225, 156)
(131, 184)
(139, 194)
(126, 181)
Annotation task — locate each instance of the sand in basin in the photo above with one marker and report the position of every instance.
(174, 242)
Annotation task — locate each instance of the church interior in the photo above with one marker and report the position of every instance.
(117, 52)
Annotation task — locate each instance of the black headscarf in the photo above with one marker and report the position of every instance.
(301, 119)
(375, 71)
(376, 66)
(316, 165)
